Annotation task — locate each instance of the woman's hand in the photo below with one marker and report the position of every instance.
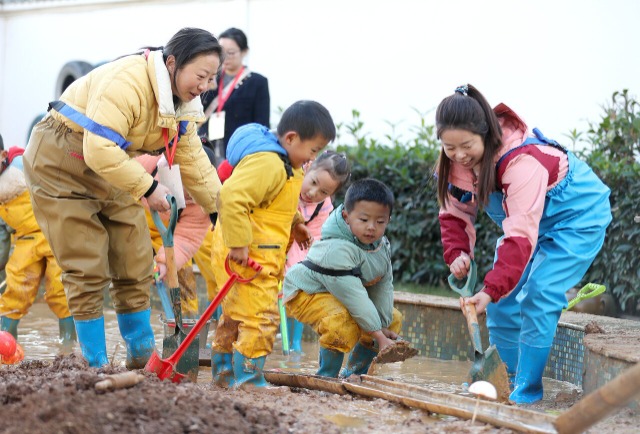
(239, 255)
(481, 300)
(302, 236)
(158, 199)
(460, 266)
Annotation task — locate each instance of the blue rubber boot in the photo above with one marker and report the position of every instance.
(9, 325)
(67, 330)
(330, 362)
(136, 331)
(222, 369)
(217, 313)
(528, 385)
(297, 328)
(92, 341)
(509, 355)
(359, 361)
(248, 372)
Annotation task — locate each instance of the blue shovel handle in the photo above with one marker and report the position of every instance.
(167, 232)
(465, 287)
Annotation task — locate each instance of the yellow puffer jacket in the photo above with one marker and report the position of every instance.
(133, 97)
(15, 203)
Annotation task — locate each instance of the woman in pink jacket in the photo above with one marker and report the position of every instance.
(553, 211)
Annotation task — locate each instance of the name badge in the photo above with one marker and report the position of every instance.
(172, 180)
(216, 126)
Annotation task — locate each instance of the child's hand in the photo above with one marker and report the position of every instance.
(162, 272)
(460, 266)
(391, 335)
(381, 339)
(302, 235)
(481, 300)
(239, 255)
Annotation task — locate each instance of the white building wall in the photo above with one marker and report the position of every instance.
(556, 62)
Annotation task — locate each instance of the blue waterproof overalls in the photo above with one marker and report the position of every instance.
(522, 325)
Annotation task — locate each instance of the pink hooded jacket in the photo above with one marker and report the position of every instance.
(295, 253)
(192, 225)
(525, 176)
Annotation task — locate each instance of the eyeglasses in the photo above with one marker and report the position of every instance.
(231, 53)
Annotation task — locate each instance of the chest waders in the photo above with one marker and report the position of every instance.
(135, 327)
(571, 231)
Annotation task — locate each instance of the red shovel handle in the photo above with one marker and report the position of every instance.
(233, 278)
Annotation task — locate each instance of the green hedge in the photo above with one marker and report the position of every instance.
(407, 165)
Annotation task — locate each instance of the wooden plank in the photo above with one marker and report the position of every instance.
(463, 407)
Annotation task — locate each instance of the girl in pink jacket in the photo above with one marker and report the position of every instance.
(325, 176)
(553, 211)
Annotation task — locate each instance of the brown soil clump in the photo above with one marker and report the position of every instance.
(400, 351)
(593, 327)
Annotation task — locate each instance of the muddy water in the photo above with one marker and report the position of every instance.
(38, 334)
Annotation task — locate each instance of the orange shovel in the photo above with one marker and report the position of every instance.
(166, 368)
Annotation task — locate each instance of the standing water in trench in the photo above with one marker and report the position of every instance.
(38, 335)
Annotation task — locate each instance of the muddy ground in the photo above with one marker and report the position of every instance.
(58, 396)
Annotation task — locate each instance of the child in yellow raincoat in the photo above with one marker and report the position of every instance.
(31, 259)
(257, 206)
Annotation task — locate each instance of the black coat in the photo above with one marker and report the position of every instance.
(249, 102)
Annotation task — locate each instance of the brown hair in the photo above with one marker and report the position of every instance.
(467, 109)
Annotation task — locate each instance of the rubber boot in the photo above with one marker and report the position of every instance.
(9, 325)
(297, 328)
(67, 331)
(509, 355)
(136, 331)
(330, 362)
(92, 341)
(359, 361)
(528, 385)
(248, 372)
(222, 369)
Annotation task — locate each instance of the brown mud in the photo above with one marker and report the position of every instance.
(59, 396)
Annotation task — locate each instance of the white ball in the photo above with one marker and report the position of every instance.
(484, 388)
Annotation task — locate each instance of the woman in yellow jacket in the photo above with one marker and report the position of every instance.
(85, 185)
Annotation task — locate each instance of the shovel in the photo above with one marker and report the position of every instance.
(588, 291)
(166, 368)
(175, 330)
(487, 364)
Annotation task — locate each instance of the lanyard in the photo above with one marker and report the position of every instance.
(171, 151)
(222, 98)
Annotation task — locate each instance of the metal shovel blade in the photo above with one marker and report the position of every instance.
(489, 367)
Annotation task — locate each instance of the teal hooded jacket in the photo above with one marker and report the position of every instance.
(368, 298)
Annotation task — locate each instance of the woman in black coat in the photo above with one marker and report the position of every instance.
(244, 98)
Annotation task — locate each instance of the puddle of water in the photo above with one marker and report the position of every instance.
(38, 335)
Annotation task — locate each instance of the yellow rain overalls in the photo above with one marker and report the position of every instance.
(249, 321)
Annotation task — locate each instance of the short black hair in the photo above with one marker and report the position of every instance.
(370, 190)
(1, 143)
(309, 119)
(237, 36)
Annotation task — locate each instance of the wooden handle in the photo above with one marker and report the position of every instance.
(599, 403)
(474, 328)
(172, 272)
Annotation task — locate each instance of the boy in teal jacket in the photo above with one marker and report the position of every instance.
(344, 288)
